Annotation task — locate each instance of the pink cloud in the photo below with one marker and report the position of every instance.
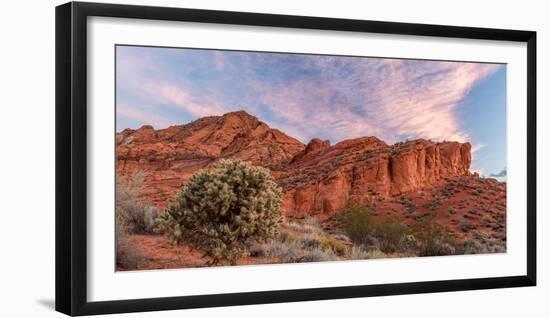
(398, 99)
(306, 107)
(346, 98)
(143, 116)
(156, 92)
(170, 94)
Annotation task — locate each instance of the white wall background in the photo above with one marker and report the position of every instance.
(27, 158)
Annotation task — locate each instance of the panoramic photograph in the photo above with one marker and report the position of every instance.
(228, 158)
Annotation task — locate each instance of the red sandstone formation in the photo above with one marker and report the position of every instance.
(170, 156)
(324, 179)
(317, 179)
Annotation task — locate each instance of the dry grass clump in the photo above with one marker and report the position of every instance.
(301, 242)
(358, 253)
(133, 216)
(480, 243)
(136, 216)
(127, 257)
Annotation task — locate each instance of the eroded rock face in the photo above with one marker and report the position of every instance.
(317, 178)
(314, 146)
(170, 156)
(365, 170)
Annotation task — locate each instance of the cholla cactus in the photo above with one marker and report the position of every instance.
(223, 210)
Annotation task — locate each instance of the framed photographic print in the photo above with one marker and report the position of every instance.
(209, 158)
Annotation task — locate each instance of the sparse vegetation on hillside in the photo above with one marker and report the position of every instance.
(388, 234)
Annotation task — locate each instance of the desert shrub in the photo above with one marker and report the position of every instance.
(332, 244)
(389, 231)
(499, 236)
(469, 246)
(464, 225)
(318, 239)
(341, 237)
(481, 243)
(358, 253)
(292, 250)
(433, 239)
(127, 257)
(365, 155)
(140, 218)
(358, 223)
(315, 255)
(259, 250)
(394, 152)
(309, 225)
(434, 203)
(408, 243)
(451, 211)
(135, 215)
(285, 251)
(310, 241)
(221, 211)
(439, 248)
(300, 242)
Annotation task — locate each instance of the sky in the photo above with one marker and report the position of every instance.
(320, 96)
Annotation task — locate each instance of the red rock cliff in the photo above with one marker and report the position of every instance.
(365, 170)
(170, 156)
(316, 179)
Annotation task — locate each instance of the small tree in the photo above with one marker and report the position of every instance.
(434, 239)
(358, 222)
(390, 231)
(223, 210)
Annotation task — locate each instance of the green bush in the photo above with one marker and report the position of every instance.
(224, 210)
(433, 239)
(358, 223)
(389, 231)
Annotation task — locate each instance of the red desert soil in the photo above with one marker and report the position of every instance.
(156, 252)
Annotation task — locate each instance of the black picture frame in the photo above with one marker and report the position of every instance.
(71, 157)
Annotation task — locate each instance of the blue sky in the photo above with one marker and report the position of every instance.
(314, 96)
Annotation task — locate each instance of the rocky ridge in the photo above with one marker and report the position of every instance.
(317, 178)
